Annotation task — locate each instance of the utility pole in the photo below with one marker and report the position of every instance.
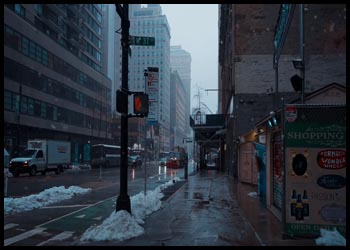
(123, 201)
(302, 45)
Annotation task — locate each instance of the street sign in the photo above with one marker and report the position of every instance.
(142, 40)
(290, 113)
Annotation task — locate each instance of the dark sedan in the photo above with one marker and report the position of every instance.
(135, 161)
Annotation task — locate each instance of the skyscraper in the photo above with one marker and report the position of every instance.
(180, 60)
(150, 22)
(55, 83)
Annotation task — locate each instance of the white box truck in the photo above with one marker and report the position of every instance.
(42, 155)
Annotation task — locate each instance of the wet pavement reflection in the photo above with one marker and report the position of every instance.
(202, 212)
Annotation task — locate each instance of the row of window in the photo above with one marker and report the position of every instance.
(45, 11)
(151, 22)
(31, 49)
(26, 76)
(93, 24)
(45, 29)
(92, 37)
(90, 62)
(93, 52)
(95, 12)
(37, 108)
(17, 8)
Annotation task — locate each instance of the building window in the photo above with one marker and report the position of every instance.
(38, 54)
(7, 100)
(37, 108)
(43, 110)
(32, 50)
(45, 58)
(24, 105)
(55, 113)
(39, 9)
(30, 106)
(19, 10)
(25, 46)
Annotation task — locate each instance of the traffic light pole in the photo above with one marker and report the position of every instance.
(146, 147)
(123, 201)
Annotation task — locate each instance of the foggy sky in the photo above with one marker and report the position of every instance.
(195, 28)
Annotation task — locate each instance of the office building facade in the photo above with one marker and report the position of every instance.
(55, 82)
(180, 60)
(150, 22)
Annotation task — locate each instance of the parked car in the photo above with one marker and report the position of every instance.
(135, 161)
(162, 161)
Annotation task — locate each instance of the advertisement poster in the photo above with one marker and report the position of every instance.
(152, 89)
(315, 160)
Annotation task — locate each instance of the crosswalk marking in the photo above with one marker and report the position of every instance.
(23, 236)
(68, 206)
(80, 216)
(10, 225)
(61, 236)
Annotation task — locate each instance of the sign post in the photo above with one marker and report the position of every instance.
(142, 40)
(123, 201)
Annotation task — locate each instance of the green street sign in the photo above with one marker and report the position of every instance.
(142, 40)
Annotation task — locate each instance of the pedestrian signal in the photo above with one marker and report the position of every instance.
(141, 104)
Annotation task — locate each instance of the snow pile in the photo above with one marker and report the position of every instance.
(46, 197)
(121, 225)
(253, 194)
(330, 238)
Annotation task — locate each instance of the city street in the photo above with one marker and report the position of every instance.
(67, 215)
(175, 124)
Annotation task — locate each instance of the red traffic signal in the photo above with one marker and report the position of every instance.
(141, 104)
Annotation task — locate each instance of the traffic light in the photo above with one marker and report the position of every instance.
(122, 102)
(297, 82)
(141, 104)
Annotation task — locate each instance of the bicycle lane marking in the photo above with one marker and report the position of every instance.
(80, 220)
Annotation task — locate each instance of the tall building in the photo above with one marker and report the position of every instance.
(177, 110)
(55, 82)
(150, 22)
(246, 54)
(114, 63)
(180, 60)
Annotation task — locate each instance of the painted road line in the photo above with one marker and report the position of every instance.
(68, 206)
(82, 220)
(74, 222)
(66, 215)
(80, 216)
(60, 237)
(23, 236)
(10, 225)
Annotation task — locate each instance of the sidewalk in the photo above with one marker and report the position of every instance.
(211, 209)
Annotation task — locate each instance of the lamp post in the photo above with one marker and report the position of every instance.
(302, 44)
(298, 82)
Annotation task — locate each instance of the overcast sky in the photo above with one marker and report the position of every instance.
(195, 28)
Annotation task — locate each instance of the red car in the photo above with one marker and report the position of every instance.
(176, 160)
